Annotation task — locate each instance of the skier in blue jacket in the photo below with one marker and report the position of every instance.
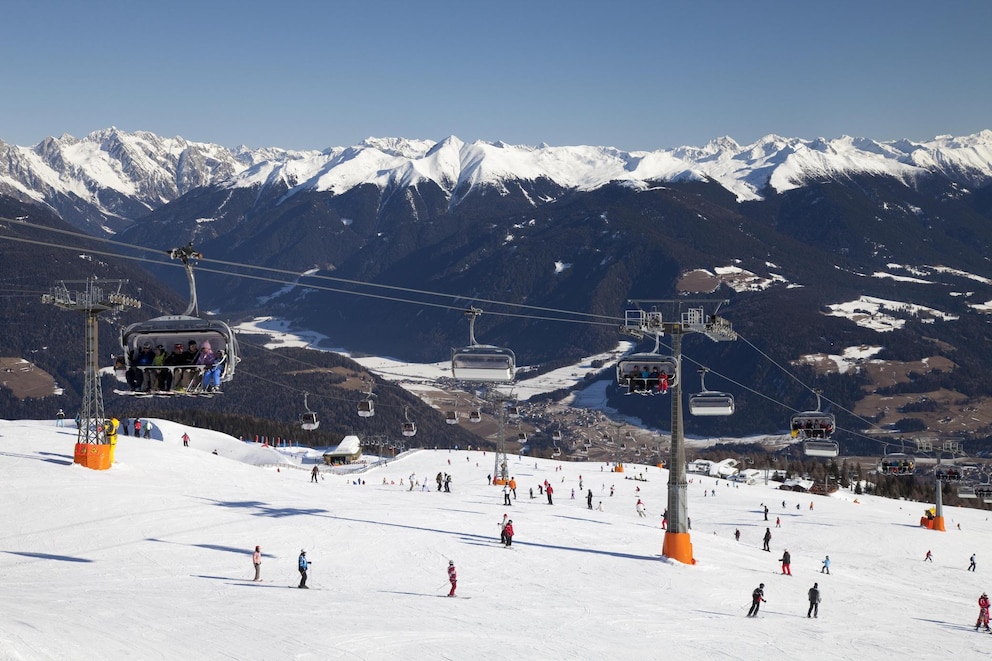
(304, 565)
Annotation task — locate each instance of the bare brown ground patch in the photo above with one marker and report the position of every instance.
(25, 379)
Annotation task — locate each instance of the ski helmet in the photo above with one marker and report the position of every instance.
(761, 585)
(451, 563)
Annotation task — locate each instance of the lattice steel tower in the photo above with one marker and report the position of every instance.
(91, 301)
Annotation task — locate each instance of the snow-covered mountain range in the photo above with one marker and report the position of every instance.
(123, 175)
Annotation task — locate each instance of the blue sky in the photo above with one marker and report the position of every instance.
(637, 75)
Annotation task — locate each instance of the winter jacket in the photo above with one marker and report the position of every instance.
(256, 558)
(814, 595)
(452, 575)
(508, 530)
(304, 563)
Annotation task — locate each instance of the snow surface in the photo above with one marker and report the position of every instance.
(151, 560)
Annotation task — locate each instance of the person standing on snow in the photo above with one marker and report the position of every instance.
(640, 508)
(60, 418)
(971, 566)
(314, 473)
(826, 566)
(756, 598)
(506, 495)
(983, 612)
(589, 499)
(767, 540)
(737, 534)
(256, 559)
(502, 529)
(185, 440)
(304, 566)
(929, 557)
(548, 490)
(508, 532)
(452, 577)
(786, 561)
(814, 601)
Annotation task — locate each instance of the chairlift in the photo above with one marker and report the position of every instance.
(648, 373)
(821, 448)
(366, 407)
(897, 463)
(481, 362)
(451, 417)
(948, 473)
(556, 436)
(171, 331)
(475, 416)
(308, 420)
(409, 426)
(710, 402)
(587, 444)
(967, 492)
(556, 452)
(522, 437)
(513, 412)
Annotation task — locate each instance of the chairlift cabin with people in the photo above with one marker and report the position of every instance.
(648, 373)
(308, 420)
(200, 354)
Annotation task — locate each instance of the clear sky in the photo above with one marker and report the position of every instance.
(637, 75)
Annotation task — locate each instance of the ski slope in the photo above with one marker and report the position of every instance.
(152, 560)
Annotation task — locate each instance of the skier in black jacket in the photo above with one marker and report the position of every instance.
(756, 598)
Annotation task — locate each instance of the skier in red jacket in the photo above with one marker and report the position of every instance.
(983, 612)
(508, 532)
(452, 577)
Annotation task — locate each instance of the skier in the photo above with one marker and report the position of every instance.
(971, 566)
(786, 561)
(256, 559)
(506, 495)
(640, 508)
(756, 598)
(814, 600)
(502, 529)
(314, 473)
(983, 612)
(185, 440)
(767, 539)
(929, 557)
(452, 577)
(508, 532)
(548, 490)
(826, 566)
(778, 522)
(589, 499)
(304, 566)
(737, 534)
(513, 487)
(766, 512)
(60, 418)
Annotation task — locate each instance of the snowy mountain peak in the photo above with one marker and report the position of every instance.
(150, 170)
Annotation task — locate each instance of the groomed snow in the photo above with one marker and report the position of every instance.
(151, 560)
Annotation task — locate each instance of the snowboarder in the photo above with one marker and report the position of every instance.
(185, 440)
(589, 499)
(814, 601)
(756, 598)
(314, 473)
(786, 561)
(826, 566)
(256, 559)
(640, 508)
(508, 532)
(452, 577)
(983, 612)
(304, 566)
(767, 540)
(929, 557)
(971, 565)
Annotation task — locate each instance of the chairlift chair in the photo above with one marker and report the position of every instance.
(308, 420)
(170, 330)
(897, 463)
(409, 427)
(821, 448)
(648, 373)
(451, 417)
(710, 402)
(475, 416)
(481, 362)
